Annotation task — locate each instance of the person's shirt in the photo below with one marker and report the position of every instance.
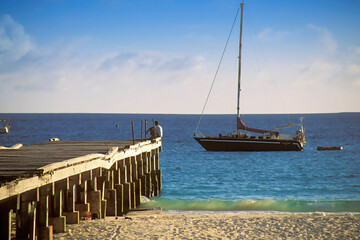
(159, 130)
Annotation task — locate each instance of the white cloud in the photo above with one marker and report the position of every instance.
(14, 42)
(128, 82)
(317, 74)
(357, 50)
(353, 74)
(64, 77)
(325, 38)
(353, 70)
(60, 78)
(269, 34)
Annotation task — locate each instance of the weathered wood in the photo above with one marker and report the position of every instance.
(24, 224)
(57, 204)
(72, 217)
(33, 222)
(58, 224)
(94, 198)
(39, 155)
(5, 223)
(119, 199)
(133, 134)
(43, 213)
(145, 129)
(46, 233)
(110, 197)
(58, 171)
(51, 184)
(126, 197)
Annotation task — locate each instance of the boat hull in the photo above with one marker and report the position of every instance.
(328, 148)
(247, 144)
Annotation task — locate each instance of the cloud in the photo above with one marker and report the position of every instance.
(14, 42)
(148, 60)
(269, 34)
(325, 38)
(63, 77)
(312, 72)
(319, 72)
(123, 82)
(357, 50)
(72, 75)
(353, 70)
(115, 60)
(353, 74)
(147, 68)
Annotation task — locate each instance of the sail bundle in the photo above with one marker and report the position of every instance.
(242, 126)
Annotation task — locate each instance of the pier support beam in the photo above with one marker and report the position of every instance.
(26, 214)
(110, 194)
(94, 199)
(119, 188)
(72, 216)
(97, 184)
(7, 211)
(43, 213)
(58, 221)
(126, 197)
(5, 223)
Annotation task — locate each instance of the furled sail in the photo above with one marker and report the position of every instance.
(242, 126)
(289, 125)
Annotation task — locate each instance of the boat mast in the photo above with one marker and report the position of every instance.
(239, 67)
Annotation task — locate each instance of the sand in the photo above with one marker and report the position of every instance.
(155, 225)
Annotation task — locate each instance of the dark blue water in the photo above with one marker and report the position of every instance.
(194, 179)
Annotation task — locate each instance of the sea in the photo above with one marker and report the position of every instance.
(196, 180)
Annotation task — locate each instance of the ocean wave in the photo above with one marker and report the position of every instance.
(255, 205)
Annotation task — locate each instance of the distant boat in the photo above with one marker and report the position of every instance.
(329, 148)
(240, 141)
(5, 129)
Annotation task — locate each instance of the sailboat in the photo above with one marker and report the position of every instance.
(240, 140)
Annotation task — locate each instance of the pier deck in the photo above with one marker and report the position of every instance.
(29, 159)
(48, 185)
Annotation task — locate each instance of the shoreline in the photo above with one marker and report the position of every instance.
(159, 224)
(245, 213)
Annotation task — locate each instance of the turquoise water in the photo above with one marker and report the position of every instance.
(255, 205)
(193, 179)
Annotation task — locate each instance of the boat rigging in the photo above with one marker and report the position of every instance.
(239, 141)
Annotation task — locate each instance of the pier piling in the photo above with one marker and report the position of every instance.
(63, 182)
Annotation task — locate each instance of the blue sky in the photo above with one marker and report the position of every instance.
(160, 56)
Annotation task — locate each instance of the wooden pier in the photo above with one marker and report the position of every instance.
(46, 186)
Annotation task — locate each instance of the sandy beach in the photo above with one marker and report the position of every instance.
(218, 226)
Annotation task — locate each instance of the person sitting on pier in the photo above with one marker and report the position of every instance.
(158, 132)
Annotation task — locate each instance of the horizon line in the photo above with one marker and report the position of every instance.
(307, 113)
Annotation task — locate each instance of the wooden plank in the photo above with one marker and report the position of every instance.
(39, 155)
(70, 167)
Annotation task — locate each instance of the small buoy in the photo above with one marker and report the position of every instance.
(329, 148)
(117, 125)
